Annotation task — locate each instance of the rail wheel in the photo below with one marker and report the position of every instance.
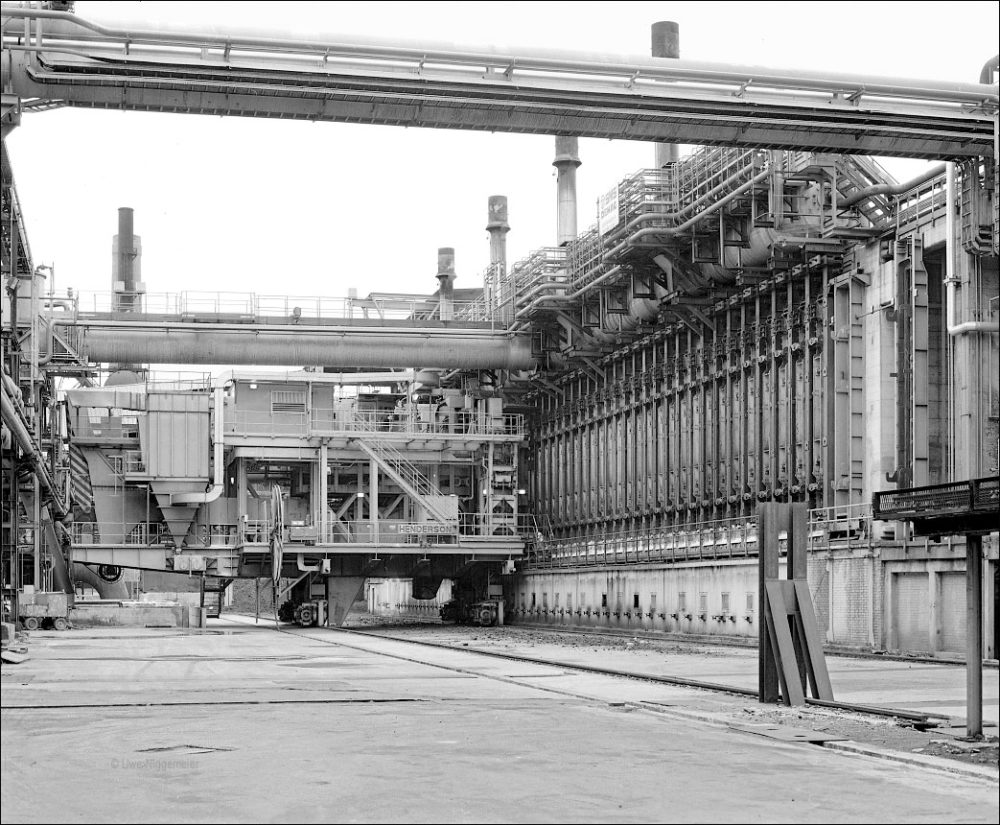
(31, 623)
(60, 623)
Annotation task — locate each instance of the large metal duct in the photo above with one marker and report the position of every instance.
(335, 347)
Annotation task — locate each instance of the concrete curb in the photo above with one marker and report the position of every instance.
(982, 773)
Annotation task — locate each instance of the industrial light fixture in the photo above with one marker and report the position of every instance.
(521, 492)
(253, 385)
(361, 495)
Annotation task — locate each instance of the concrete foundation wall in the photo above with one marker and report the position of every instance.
(862, 600)
(132, 615)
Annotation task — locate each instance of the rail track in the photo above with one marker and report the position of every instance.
(717, 641)
(916, 719)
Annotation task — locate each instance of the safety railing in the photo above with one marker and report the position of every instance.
(480, 527)
(977, 495)
(730, 538)
(143, 534)
(251, 307)
(329, 420)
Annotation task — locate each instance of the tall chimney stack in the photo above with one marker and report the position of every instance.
(446, 277)
(498, 228)
(666, 43)
(566, 161)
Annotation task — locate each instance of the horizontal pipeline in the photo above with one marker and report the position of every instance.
(339, 348)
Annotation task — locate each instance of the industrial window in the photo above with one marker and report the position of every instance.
(532, 599)
(569, 601)
(652, 602)
(703, 602)
(749, 602)
(545, 599)
(635, 601)
(523, 599)
(604, 599)
(682, 601)
(285, 401)
(725, 602)
(557, 601)
(621, 600)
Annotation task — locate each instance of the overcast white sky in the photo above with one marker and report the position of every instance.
(281, 207)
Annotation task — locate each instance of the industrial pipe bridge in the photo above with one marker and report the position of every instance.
(55, 58)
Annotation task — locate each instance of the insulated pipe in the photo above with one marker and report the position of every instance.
(666, 43)
(341, 347)
(446, 278)
(74, 28)
(642, 233)
(18, 429)
(951, 279)
(218, 458)
(891, 188)
(566, 161)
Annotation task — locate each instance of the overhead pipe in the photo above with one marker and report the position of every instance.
(566, 161)
(951, 279)
(337, 347)
(525, 59)
(892, 188)
(218, 459)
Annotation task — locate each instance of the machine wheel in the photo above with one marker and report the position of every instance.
(304, 615)
(59, 623)
(485, 616)
(31, 623)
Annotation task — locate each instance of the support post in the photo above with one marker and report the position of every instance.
(974, 636)
(767, 560)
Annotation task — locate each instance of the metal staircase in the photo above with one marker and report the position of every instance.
(413, 482)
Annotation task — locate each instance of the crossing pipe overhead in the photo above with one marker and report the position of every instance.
(666, 43)
(566, 161)
(335, 347)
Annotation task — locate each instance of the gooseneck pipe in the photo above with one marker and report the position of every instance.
(951, 280)
(892, 188)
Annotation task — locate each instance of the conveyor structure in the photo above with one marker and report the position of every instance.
(765, 319)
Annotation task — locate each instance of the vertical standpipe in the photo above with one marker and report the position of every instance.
(446, 277)
(566, 161)
(666, 43)
(497, 301)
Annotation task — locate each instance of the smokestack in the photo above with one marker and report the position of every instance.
(126, 276)
(666, 43)
(566, 161)
(446, 277)
(498, 228)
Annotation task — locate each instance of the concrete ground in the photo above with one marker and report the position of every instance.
(240, 723)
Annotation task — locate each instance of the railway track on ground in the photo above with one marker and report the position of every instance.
(917, 719)
(713, 641)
